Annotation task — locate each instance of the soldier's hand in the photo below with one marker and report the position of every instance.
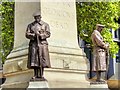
(41, 35)
(37, 33)
(33, 34)
(107, 45)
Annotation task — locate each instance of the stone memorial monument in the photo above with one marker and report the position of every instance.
(69, 66)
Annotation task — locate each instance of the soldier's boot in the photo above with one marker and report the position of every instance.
(99, 77)
(35, 74)
(41, 74)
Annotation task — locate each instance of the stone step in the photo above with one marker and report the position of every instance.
(38, 84)
(57, 78)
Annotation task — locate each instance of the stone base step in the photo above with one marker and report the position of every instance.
(57, 78)
(103, 86)
(38, 84)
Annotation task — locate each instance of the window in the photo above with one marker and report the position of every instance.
(118, 57)
(119, 33)
(116, 34)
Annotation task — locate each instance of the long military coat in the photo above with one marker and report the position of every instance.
(99, 52)
(38, 54)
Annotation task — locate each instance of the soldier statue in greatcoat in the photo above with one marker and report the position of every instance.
(38, 55)
(99, 64)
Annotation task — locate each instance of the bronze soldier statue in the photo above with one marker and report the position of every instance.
(38, 54)
(99, 64)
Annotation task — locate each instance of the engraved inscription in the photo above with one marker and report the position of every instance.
(60, 14)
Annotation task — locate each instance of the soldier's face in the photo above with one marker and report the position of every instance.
(37, 18)
(100, 29)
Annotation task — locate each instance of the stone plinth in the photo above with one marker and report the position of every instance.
(37, 84)
(15, 67)
(99, 86)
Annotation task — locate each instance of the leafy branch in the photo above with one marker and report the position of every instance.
(7, 28)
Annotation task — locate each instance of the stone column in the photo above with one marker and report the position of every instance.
(63, 44)
(15, 69)
(69, 63)
(61, 16)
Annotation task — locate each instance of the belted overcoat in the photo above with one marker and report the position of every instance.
(99, 52)
(38, 53)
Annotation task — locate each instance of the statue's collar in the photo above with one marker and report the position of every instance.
(41, 22)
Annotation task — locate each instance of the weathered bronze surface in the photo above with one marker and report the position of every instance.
(99, 64)
(38, 54)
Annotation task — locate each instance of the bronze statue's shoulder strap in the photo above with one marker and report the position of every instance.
(31, 24)
(43, 23)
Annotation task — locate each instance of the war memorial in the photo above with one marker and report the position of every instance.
(69, 65)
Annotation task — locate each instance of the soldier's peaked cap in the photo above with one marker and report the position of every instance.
(100, 25)
(36, 14)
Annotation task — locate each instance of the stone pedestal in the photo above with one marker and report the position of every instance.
(62, 78)
(99, 86)
(37, 84)
(15, 67)
(68, 61)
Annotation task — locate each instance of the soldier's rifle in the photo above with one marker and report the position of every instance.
(38, 42)
(107, 63)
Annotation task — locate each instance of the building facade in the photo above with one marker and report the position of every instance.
(116, 61)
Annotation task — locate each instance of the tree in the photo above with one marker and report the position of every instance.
(91, 13)
(7, 28)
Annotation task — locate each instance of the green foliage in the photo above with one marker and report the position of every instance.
(7, 28)
(91, 13)
(108, 39)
